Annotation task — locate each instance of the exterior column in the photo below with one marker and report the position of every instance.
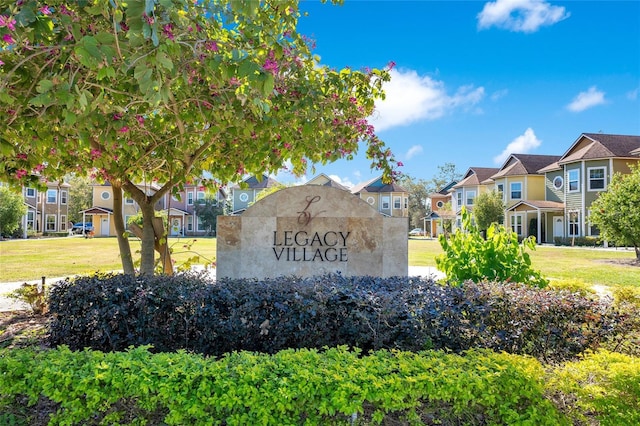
(539, 227)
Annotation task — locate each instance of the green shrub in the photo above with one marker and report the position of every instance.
(113, 312)
(579, 241)
(602, 385)
(572, 285)
(336, 386)
(499, 257)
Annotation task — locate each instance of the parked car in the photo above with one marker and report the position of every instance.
(417, 232)
(77, 228)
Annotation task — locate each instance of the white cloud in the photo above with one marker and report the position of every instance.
(588, 99)
(342, 181)
(525, 16)
(523, 144)
(499, 94)
(413, 151)
(633, 95)
(411, 98)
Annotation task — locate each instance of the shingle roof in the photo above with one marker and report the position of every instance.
(369, 187)
(476, 175)
(525, 164)
(599, 145)
(252, 181)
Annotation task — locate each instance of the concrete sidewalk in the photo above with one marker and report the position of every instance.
(8, 304)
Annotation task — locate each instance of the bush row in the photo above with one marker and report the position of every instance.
(304, 386)
(291, 387)
(114, 312)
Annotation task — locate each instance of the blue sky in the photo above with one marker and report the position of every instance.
(475, 81)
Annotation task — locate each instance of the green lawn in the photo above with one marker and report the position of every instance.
(22, 260)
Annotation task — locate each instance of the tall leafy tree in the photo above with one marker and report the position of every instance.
(80, 196)
(208, 209)
(446, 174)
(488, 208)
(418, 194)
(163, 90)
(617, 210)
(12, 209)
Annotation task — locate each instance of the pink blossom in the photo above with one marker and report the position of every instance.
(140, 120)
(95, 153)
(21, 156)
(117, 116)
(234, 81)
(211, 46)
(400, 164)
(45, 10)
(8, 22)
(149, 19)
(167, 30)
(287, 145)
(271, 66)
(8, 39)
(391, 65)
(64, 10)
(20, 173)
(124, 129)
(39, 168)
(1, 63)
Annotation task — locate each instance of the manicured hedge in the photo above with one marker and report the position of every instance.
(292, 387)
(113, 312)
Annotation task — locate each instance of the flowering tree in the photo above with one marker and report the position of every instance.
(162, 90)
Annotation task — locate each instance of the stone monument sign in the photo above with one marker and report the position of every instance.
(311, 230)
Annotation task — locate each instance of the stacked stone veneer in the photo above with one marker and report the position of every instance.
(311, 230)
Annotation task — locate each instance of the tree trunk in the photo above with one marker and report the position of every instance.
(147, 250)
(118, 220)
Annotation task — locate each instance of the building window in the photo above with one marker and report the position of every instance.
(200, 196)
(190, 223)
(397, 202)
(440, 204)
(63, 220)
(31, 220)
(574, 224)
(31, 192)
(406, 202)
(244, 197)
(190, 198)
(105, 195)
(200, 225)
(597, 179)
(50, 222)
(516, 191)
(128, 201)
(574, 180)
(370, 200)
(471, 195)
(52, 196)
(558, 182)
(126, 220)
(63, 197)
(500, 189)
(459, 198)
(516, 224)
(385, 202)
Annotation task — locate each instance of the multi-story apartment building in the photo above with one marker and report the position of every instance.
(389, 199)
(182, 216)
(520, 181)
(48, 210)
(472, 184)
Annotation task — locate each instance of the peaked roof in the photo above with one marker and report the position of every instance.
(525, 164)
(592, 146)
(475, 176)
(253, 183)
(376, 185)
(445, 191)
(325, 180)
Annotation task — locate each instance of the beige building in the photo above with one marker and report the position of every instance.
(48, 210)
(388, 199)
